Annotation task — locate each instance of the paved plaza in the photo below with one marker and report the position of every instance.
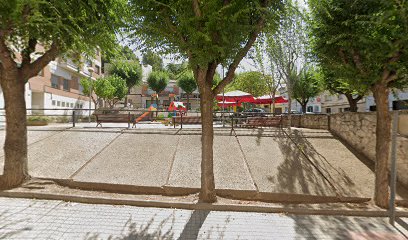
(263, 164)
(41, 219)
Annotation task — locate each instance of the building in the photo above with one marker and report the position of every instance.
(57, 87)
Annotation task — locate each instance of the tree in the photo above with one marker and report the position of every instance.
(264, 62)
(207, 33)
(367, 40)
(353, 90)
(187, 82)
(251, 82)
(110, 89)
(305, 87)
(130, 71)
(152, 59)
(60, 27)
(158, 81)
(287, 48)
(88, 86)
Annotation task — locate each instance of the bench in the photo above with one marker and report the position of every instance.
(186, 120)
(115, 118)
(263, 122)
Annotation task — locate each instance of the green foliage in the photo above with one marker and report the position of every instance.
(176, 69)
(362, 41)
(187, 82)
(251, 82)
(286, 48)
(306, 86)
(212, 31)
(79, 26)
(154, 60)
(38, 119)
(123, 53)
(111, 89)
(158, 81)
(130, 71)
(87, 85)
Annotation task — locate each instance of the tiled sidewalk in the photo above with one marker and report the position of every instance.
(40, 219)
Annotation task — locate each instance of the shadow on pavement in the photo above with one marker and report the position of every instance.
(297, 172)
(318, 227)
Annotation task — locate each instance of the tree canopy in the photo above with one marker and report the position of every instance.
(158, 81)
(153, 59)
(130, 71)
(187, 82)
(306, 86)
(253, 82)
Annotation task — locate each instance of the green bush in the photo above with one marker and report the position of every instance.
(37, 119)
(160, 117)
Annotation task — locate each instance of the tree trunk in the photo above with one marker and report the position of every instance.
(289, 112)
(188, 101)
(352, 102)
(207, 193)
(15, 146)
(273, 103)
(382, 147)
(304, 105)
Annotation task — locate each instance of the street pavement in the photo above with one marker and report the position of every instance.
(49, 219)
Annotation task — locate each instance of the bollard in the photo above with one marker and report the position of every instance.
(181, 121)
(232, 122)
(73, 118)
(128, 119)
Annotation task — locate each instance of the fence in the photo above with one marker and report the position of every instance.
(130, 116)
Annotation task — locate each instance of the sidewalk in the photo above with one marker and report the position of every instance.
(41, 219)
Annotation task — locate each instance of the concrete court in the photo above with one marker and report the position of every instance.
(309, 163)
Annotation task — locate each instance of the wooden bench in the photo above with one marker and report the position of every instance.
(186, 120)
(263, 122)
(115, 118)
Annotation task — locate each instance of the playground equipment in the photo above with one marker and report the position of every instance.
(144, 115)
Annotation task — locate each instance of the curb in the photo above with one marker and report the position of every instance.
(201, 206)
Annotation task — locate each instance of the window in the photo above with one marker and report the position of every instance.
(347, 109)
(58, 103)
(316, 109)
(328, 110)
(88, 63)
(309, 109)
(54, 102)
(54, 81)
(71, 105)
(66, 84)
(63, 104)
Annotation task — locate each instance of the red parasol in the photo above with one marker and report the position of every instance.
(266, 99)
(235, 96)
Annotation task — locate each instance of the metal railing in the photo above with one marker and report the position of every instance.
(76, 115)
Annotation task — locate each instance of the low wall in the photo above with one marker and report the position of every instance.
(314, 121)
(358, 130)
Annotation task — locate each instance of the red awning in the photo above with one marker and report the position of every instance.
(228, 104)
(268, 100)
(235, 96)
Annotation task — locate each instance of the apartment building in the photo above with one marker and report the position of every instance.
(57, 86)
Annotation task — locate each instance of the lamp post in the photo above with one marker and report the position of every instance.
(90, 70)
